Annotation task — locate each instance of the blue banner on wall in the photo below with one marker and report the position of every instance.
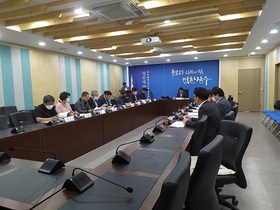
(165, 79)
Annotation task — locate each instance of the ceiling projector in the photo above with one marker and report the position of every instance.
(150, 41)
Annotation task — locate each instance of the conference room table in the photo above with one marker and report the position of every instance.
(73, 139)
(23, 187)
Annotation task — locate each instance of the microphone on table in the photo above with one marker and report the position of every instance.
(82, 182)
(49, 166)
(147, 138)
(120, 156)
(51, 122)
(158, 128)
(17, 128)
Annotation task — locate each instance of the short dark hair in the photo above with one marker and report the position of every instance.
(124, 83)
(107, 92)
(210, 92)
(145, 89)
(201, 93)
(63, 95)
(215, 87)
(134, 89)
(180, 88)
(48, 98)
(219, 91)
(85, 93)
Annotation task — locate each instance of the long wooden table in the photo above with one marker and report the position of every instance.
(71, 140)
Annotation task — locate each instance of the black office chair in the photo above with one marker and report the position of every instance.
(202, 194)
(175, 187)
(196, 142)
(230, 98)
(6, 111)
(229, 116)
(236, 139)
(235, 110)
(73, 107)
(24, 117)
(3, 123)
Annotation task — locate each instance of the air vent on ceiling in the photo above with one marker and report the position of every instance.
(167, 49)
(118, 11)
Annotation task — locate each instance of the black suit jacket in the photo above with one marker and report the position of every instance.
(92, 103)
(223, 106)
(133, 97)
(213, 122)
(102, 101)
(184, 95)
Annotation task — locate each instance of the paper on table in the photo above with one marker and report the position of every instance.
(177, 124)
(193, 115)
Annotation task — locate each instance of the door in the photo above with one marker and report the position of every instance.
(277, 82)
(249, 89)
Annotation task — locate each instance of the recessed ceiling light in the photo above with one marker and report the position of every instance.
(195, 58)
(167, 21)
(42, 43)
(274, 31)
(78, 11)
(93, 50)
(127, 63)
(258, 48)
(145, 61)
(253, 53)
(167, 60)
(100, 57)
(264, 41)
(225, 55)
(80, 52)
(115, 60)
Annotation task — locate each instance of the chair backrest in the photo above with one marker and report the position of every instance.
(235, 110)
(196, 142)
(236, 139)
(202, 194)
(229, 116)
(3, 123)
(119, 101)
(24, 117)
(230, 98)
(175, 187)
(6, 111)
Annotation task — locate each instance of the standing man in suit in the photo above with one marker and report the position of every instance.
(105, 98)
(221, 102)
(205, 108)
(93, 99)
(181, 93)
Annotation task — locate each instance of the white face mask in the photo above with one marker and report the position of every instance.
(135, 93)
(213, 99)
(49, 107)
(68, 99)
(95, 97)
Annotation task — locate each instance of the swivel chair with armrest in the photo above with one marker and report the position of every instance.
(175, 187)
(236, 139)
(24, 117)
(196, 142)
(229, 116)
(201, 193)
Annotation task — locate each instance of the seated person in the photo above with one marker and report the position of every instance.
(63, 108)
(221, 102)
(181, 93)
(133, 95)
(105, 98)
(211, 98)
(205, 108)
(93, 99)
(45, 112)
(82, 104)
(124, 87)
(122, 98)
(142, 94)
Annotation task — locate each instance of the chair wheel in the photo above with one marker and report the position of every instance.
(234, 202)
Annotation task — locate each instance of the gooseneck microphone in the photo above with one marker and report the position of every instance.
(82, 182)
(49, 166)
(120, 156)
(17, 126)
(158, 128)
(51, 122)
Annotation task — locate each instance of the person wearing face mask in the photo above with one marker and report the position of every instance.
(45, 112)
(133, 95)
(211, 97)
(63, 107)
(93, 99)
